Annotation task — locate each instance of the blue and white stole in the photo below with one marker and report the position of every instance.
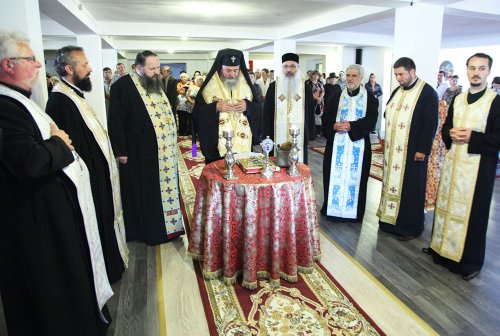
(347, 159)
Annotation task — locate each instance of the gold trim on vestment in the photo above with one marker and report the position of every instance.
(289, 111)
(399, 114)
(458, 180)
(163, 121)
(214, 91)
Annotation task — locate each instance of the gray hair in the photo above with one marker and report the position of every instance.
(65, 57)
(10, 43)
(358, 68)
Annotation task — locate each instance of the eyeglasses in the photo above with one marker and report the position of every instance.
(27, 58)
(286, 66)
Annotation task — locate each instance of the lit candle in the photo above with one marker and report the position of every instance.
(294, 130)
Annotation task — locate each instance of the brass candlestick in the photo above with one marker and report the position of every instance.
(294, 152)
(229, 160)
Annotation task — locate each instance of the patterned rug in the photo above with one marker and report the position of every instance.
(377, 159)
(315, 305)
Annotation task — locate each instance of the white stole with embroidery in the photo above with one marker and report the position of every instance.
(347, 159)
(101, 136)
(79, 175)
(289, 111)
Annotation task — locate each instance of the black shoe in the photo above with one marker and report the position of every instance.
(406, 238)
(471, 276)
(426, 250)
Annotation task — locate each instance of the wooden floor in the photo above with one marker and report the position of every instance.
(447, 303)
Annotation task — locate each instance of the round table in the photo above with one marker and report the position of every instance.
(257, 227)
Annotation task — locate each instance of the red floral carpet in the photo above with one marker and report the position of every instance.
(377, 163)
(315, 305)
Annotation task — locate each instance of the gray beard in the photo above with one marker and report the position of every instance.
(230, 84)
(151, 85)
(291, 85)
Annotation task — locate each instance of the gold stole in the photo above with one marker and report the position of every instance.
(458, 180)
(289, 111)
(101, 136)
(163, 121)
(238, 122)
(398, 115)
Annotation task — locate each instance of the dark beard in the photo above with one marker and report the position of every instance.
(151, 84)
(83, 84)
(476, 84)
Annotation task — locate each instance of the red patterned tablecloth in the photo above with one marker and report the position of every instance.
(258, 227)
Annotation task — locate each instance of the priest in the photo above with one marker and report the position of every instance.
(52, 274)
(144, 137)
(227, 101)
(348, 118)
(411, 122)
(70, 110)
(289, 102)
(472, 135)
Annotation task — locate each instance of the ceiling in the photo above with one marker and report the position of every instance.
(130, 26)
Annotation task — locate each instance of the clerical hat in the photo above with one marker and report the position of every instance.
(231, 59)
(290, 57)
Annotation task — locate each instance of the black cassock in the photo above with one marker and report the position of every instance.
(360, 129)
(67, 116)
(410, 221)
(132, 134)
(206, 119)
(486, 144)
(269, 112)
(46, 279)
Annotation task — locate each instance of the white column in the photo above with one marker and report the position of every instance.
(333, 61)
(246, 56)
(109, 59)
(282, 47)
(91, 44)
(417, 35)
(24, 16)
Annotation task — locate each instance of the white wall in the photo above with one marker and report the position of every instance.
(348, 58)
(458, 57)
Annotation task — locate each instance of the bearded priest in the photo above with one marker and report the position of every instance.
(227, 101)
(143, 133)
(289, 103)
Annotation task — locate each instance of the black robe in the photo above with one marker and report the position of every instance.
(132, 134)
(360, 129)
(46, 278)
(410, 220)
(330, 89)
(486, 144)
(67, 116)
(269, 111)
(206, 119)
(170, 88)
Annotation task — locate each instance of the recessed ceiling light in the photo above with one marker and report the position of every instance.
(184, 38)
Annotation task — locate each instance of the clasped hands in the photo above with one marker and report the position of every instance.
(225, 106)
(55, 131)
(460, 135)
(342, 126)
